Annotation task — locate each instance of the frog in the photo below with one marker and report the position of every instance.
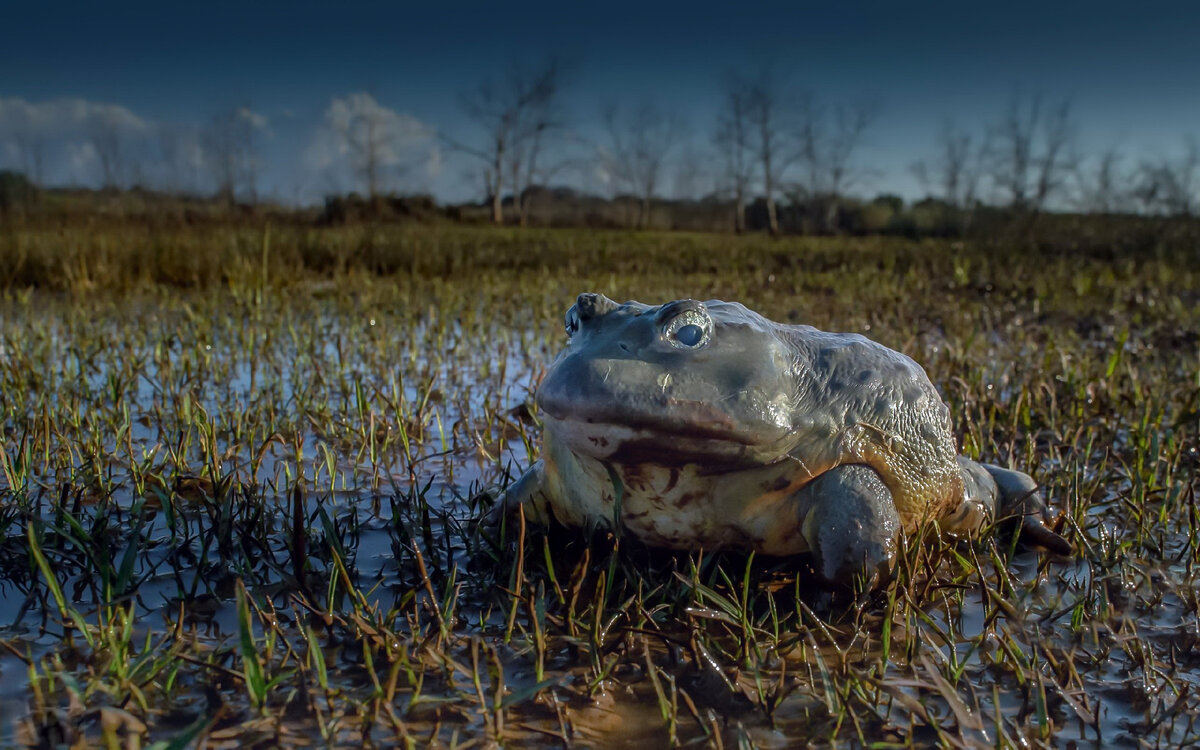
(704, 425)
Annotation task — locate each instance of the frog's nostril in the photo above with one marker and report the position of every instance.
(591, 305)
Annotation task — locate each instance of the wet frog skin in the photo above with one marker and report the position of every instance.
(727, 430)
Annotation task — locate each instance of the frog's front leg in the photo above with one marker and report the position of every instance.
(851, 526)
(528, 491)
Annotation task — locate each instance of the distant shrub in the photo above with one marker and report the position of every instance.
(16, 191)
(874, 218)
(355, 208)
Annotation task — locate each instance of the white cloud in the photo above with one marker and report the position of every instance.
(84, 142)
(65, 117)
(433, 165)
(82, 157)
(58, 140)
(600, 171)
(79, 141)
(257, 120)
(356, 129)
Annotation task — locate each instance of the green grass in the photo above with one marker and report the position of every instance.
(238, 467)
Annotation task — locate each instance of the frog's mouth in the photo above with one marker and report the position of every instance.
(641, 411)
(640, 439)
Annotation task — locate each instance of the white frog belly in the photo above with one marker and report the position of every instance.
(682, 507)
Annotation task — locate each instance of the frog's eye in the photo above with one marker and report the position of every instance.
(690, 329)
(572, 322)
(690, 335)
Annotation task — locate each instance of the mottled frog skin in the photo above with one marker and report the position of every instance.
(727, 430)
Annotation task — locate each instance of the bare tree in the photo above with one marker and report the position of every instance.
(1171, 185)
(732, 139)
(515, 117)
(537, 122)
(178, 151)
(956, 151)
(957, 167)
(848, 128)
(809, 124)
(689, 178)
(105, 138)
(1053, 162)
(230, 149)
(1098, 189)
(1031, 149)
(764, 109)
(374, 144)
(828, 140)
(1013, 159)
(639, 144)
(31, 144)
(945, 174)
(166, 151)
(366, 135)
(522, 164)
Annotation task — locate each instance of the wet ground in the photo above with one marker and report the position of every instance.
(247, 515)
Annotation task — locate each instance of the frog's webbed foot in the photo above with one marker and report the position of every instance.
(851, 527)
(1018, 497)
(525, 491)
(991, 493)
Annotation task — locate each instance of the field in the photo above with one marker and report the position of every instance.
(241, 468)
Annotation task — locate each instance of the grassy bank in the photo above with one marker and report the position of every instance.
(239, 466)
(109, 253)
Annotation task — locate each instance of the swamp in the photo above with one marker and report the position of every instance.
(242, 468)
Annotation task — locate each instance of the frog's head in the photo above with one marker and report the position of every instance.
(687, 381)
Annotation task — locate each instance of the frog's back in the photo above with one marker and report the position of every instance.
(857, 401)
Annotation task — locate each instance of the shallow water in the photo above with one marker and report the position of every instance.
(177, 432)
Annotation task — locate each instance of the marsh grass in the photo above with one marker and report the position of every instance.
(240, 473)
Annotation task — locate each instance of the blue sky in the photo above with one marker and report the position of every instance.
(1131, 70)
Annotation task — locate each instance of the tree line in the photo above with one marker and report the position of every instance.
(771, 147)
(772, 141)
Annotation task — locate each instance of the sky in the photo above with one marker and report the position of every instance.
(1130, 70)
